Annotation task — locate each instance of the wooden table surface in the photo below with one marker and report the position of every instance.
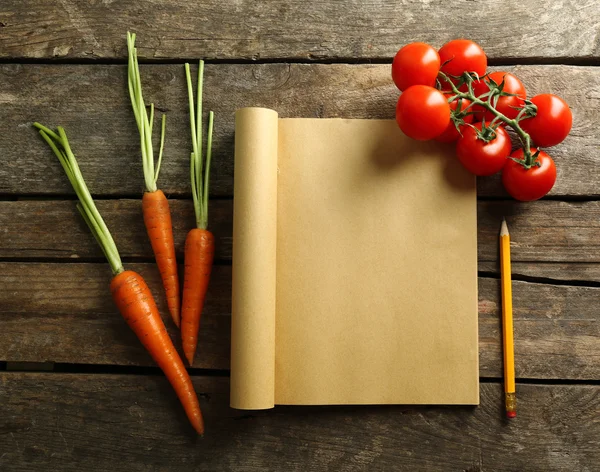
(78, 392)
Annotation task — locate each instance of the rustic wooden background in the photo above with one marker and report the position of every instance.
(77, 392)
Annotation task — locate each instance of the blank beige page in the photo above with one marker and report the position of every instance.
(376, 297)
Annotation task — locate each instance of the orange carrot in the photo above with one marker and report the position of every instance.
(129, 290)
(157, 218)
(199, 254)
(134, 300)
(200, 243)
(155, 206)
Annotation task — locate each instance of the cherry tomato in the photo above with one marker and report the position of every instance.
(461, 55)
(415, 64)
(451, 134)
(508, 106)
(422, 112)
(552, 123)
(529, 184)
(479, 157)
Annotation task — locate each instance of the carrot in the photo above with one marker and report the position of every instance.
(157, 218)
(155, 207)
(199, 244)
(199, 254)
(129, 290)
(134, 300)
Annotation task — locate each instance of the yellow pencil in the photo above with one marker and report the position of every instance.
(507, 324)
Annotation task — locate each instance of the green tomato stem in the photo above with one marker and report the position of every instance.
(514, 124)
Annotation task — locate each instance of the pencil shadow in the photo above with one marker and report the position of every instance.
(495, 211)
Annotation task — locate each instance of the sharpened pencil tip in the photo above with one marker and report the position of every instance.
(504, 228)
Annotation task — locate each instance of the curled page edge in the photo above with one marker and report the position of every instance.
(252, 384)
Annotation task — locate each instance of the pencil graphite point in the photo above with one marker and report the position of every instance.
(504, 228)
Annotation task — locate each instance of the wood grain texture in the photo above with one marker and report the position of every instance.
(24, 228)
(552, 323)
(64, 313)
(61, 312)
(322, 29)
(51, 310)
(91, 102)
(133, 423)
(545, 231)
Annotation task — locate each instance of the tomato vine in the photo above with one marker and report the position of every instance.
(487, 132)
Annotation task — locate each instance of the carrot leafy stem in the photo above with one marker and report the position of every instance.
(144, 122)
(199, 167)
(59, 143)
(162, 145)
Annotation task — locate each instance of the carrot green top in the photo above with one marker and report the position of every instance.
(86, 206)
(144, 123)
(199, 170)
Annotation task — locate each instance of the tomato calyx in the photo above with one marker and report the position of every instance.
(487, 132)
(535, 162)
(528, 110)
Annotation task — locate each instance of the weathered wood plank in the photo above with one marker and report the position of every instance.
(34, 229)
(325, 29)
(545, 231)
(556, 330)
(91, 102)
(114, 423)
(64, 313)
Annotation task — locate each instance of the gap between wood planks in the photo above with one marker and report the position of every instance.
(66, 368)
(541, 280)
(224, 262)
(42, 197)
(492, 62)
(95, 260)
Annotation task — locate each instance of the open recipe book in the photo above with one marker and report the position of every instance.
(354, 266)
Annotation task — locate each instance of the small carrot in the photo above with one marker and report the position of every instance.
(200, 243)
(134, 300)
(155, 206)
(129, 290)
(199, 254)
(157, 218)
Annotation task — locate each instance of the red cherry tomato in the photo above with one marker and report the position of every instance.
(415, 64)
(479, 157)
(451, 134)
(422, 112)
(552, 123)
(529, 184)
(461, 55)
(508, 106)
